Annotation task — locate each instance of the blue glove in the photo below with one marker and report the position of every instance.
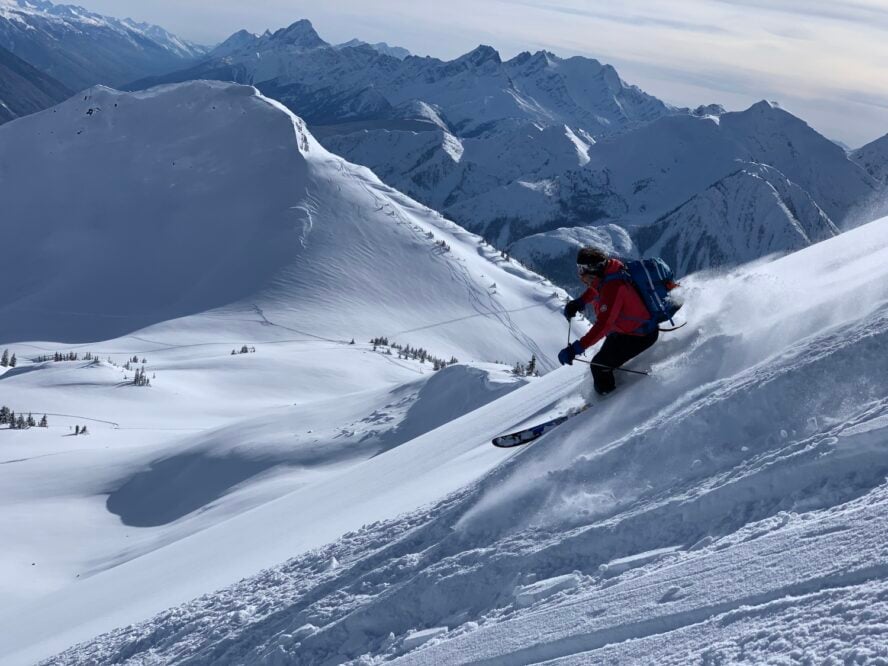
(567, 355)
(571, 309)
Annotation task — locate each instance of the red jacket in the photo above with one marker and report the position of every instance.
(618, 307)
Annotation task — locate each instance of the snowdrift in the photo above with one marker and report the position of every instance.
(716, 510)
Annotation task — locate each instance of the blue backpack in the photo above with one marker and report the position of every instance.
(653, 280)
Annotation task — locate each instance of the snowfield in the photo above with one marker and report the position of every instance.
(321, 502)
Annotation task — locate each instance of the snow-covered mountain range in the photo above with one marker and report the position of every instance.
(519, 149)
(24, 89)
(81, 48)
(471, 95)
(336, 499)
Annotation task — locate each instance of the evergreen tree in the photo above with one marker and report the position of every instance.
(12, 361)
(532, 366)
(4, 414)
(30, 421)
(12, 420)
(43, 422)
(77, 430)
(20, 422)
(4, 360)
(83, 430)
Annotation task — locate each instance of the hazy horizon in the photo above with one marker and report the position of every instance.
(822, 61)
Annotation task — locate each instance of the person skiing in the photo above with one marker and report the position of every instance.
(621, 317)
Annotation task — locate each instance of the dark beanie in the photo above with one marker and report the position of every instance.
(591, 256)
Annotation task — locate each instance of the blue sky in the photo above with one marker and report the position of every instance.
(827, 62)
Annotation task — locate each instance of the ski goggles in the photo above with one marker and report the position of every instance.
(586, 269)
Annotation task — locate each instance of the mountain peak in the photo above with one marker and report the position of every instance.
(380, 47)
(765, 105)
(300, 34)
(481, 55)
(237, 41)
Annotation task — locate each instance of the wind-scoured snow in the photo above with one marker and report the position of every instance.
(729, 507)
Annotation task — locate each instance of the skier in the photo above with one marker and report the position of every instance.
(621, 317)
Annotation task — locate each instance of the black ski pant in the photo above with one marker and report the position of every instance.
(617, 350)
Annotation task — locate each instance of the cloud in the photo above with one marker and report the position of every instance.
(634, 19)
(869, 14)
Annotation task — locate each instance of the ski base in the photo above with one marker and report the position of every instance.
(528, 435)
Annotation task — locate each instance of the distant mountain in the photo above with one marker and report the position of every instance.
(81, 48)
(520, 148)
(472, 94)
(873, 157)
(24, 89)
(639, 177)
(381, 47)
(751, 213)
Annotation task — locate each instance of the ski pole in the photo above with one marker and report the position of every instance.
(601, 365)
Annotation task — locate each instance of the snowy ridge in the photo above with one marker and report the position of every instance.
(267, 190)
(874, 158)
(395, 51)
(749, 214)
(728, 507)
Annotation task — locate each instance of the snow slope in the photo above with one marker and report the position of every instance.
(183, 223)
(206, 195)
(729, 508)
